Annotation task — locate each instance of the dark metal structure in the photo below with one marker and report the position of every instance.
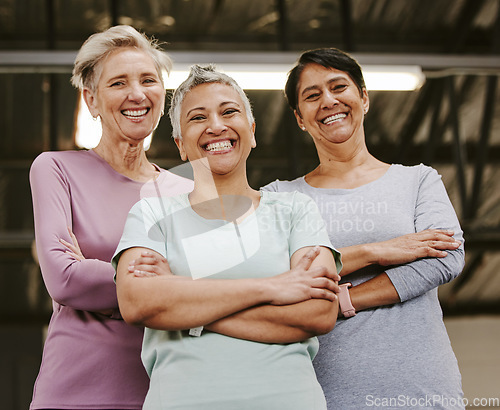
(452, 123)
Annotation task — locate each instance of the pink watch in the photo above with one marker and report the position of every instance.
(345, 303)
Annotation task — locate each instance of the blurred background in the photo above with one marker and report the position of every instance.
(450, 121)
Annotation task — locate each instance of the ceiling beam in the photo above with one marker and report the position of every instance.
(346, 23)
(62, 60)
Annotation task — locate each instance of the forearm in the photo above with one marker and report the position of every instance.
(171, 302)
(376, 292)
(280, 324)
(83, 285)
(416, 278)
(284, 324)
(356, 257)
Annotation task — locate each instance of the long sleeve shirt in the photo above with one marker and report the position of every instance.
(394, 356)
(91, 357)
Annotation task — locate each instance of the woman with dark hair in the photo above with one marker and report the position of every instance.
(399, 238)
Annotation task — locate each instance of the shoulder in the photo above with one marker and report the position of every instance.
(293, 201)
(284, 186)
(59, 158)
(172, 184)
(418, 174)
(161, 206)
(417, 170)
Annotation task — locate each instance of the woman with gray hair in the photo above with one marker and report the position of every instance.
(91, 357)
(226, 249)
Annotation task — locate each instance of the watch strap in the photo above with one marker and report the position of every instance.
(345, 303)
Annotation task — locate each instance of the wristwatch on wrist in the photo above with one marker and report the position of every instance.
(345, 303)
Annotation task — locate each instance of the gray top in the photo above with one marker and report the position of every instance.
(396, 356)
(214, 371)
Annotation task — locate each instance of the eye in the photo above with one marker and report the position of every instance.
(311, 97)
(151, 80)
(339, 87)
(197, 117)
(230, 111)
(116, 83)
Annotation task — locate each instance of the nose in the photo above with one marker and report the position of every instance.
(328, 100)
(216, 125)
(136, 93)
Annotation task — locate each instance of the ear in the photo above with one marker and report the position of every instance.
(91, 102)
(254, 142)
(180, 145)
(366, 101)
(300, 122)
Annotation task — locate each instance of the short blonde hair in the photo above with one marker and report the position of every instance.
(87, 68)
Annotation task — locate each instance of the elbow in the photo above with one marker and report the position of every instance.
(325, 319)
(132, 318)
(454, 263)
(131, 309)
(130, 314)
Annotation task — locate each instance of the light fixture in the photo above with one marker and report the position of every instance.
(260, 76)
(273, 76)
(393, 78)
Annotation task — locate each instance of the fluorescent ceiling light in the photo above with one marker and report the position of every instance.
(273, 76)
(258, 77)
(393, 78)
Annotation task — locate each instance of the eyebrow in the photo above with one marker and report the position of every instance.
(330, 81)
(125, 75)
(222, 104)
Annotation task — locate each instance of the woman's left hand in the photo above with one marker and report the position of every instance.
(149, 264)
(73, 249)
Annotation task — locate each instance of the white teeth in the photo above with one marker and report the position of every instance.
(134, 113)
(218, 146)
(333, 118)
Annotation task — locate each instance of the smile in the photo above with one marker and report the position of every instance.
(219, 146)
(135, 113)
(333, 118)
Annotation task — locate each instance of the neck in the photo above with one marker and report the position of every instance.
(223, 196)
(344, 156)
(127, 159)
(345, 165)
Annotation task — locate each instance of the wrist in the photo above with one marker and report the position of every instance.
(370, 254)
(345, 303)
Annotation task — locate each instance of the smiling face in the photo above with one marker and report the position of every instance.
(330, 106)
(129, 97)
(214, 126)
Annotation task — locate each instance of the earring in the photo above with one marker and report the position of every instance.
(303, 128)
(95, 118)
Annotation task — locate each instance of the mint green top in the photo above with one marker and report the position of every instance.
(214, 371)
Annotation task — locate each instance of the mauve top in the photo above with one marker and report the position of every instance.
(90, 360)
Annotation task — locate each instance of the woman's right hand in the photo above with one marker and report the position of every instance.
(149, 264)
(304, 281)
(431, 243)
(73, 248)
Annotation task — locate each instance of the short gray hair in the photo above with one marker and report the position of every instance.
(202, 75)
(87, 68)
